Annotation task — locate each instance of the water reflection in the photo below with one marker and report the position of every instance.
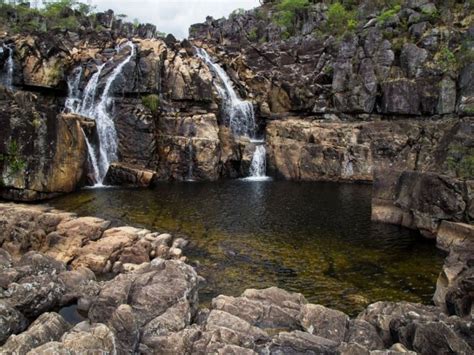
(314, 238)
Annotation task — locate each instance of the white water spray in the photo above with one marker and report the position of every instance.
(239, 114)
(92, 158)
(73, 100)
(7, 75)
(258, 166)
(101, 112)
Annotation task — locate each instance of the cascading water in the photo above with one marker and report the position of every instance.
(92, 159)
(100, 111)
(73, 100)
(7, 75)
(258, 166)
(239, 115)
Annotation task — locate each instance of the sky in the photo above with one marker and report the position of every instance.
(173, 16)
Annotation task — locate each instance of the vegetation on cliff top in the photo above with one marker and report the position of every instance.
(72, 15)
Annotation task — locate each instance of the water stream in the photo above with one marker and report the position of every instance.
(7, 75)
(100, 110)
(239, 115)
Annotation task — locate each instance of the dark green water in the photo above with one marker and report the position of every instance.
(313, 238)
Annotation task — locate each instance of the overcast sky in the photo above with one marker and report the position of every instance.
(174, 16)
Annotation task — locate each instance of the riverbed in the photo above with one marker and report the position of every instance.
(313, 238)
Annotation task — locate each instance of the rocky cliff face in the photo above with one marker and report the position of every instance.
(394, 91)
(165, 111)
(389, 92)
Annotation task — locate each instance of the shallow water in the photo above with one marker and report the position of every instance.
(313, 238)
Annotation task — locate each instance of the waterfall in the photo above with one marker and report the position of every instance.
(92, 159)
(100, 110)
(239, 114)
(7, 76)
(73, 100)
(258, 166)
(104, 122)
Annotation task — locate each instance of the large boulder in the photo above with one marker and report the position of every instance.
(47, 327)
(43, 153)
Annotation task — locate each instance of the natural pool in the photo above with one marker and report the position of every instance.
(313, 238)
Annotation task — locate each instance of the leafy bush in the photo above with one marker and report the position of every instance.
(286, 13)
(12, 158)
(252, 35)
(388, 14)
(152, 102)
(237, 12)
(340, 19)
(446, 59)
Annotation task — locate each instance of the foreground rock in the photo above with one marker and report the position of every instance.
(82, 242)
(147, 304)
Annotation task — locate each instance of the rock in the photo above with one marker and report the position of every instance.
(174, 319)
(312, 150)
(434, 337)
(144, 291)
(382, 315)
(164, 239)
(352, 349)
(189, 140)
(298, 342)
(47, 327)
(408, 198)
(52, 150)
(179, 243)
(232, 330)
(412, 58)
(363, 333)
(78, 283)
(267, 308)
(447, 96)
(455, 236)
(175, 253)
(324, 322)
(115, 241)
(126, 329)
(400, 97)
(83, 338)
(455, 285)
(34, 295)
(120, 174)
(11, 321)
(42, 284)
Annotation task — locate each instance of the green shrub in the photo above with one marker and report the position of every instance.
(340, 19)
(286, 13)
(237, 12)
(252, 35)
(12, 158)
(446, 59)
(152, 102)
(388, 14)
